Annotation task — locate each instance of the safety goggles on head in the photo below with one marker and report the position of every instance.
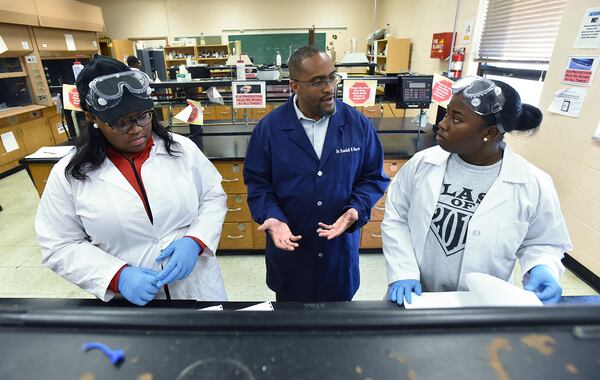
(482, 96)
(106, 91)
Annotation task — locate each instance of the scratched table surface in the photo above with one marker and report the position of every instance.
(357, 340)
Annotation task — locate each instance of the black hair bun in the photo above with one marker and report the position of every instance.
(531, 118)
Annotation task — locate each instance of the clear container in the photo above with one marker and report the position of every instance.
(240, 68)
(77, 67)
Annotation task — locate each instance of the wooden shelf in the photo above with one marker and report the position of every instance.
(14, 111)
(212, 59)
(212, 46)
(13, 75)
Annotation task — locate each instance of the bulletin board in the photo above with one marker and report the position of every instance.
(262, 48)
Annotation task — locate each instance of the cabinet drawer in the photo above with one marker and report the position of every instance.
(236, 236)
(259, 238)
(233, 177)
(372, 111)
(371, 235)
(237, 208)
(259, 113)
(39, 175)
(378, 210)
(209, 113)
(388, 110)
(391, 167)
(223, 112)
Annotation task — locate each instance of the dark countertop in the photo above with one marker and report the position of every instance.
(399, 138)
(217, 82)
(353, 340)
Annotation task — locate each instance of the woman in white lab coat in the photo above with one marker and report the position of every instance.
(471, 204)
(135, 210)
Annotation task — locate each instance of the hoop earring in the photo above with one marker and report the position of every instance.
(485, 139)
(95, 125)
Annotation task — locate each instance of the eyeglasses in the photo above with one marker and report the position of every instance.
(123, 127)
(335, 79)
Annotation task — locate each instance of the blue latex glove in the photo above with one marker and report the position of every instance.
(401, 289)
(137, 285)
(184, 255)
(543, 283)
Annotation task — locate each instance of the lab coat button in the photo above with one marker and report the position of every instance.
(155, 241)
(319, 203)
(476, 232)
(320, 254)
(319, 173)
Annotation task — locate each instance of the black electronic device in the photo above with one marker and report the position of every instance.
(414, 91)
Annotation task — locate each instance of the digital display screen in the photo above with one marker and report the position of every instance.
(416, 85)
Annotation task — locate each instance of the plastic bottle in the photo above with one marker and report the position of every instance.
(240, 68)
(202, 40)
(77, 67)
(278, 59)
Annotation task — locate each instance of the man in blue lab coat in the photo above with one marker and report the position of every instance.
(314, 170)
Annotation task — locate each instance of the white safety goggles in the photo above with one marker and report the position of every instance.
(482, 96)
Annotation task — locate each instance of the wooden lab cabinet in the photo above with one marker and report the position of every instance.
(16, 38)
(238, 230)
(51, 40)
(371, 232)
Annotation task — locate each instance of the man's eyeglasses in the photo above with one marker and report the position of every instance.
(335, 79)
(123, 127)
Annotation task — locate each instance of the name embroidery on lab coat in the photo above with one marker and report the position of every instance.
(450, 220)
(348, 150)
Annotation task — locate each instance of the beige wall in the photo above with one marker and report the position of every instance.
(419, 20)
(564, 148)
(183, 18)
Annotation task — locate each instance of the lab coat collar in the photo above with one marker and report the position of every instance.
(512, 169)
(159, 145)
(109, 173)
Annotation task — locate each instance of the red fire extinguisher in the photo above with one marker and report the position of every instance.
(458, 58)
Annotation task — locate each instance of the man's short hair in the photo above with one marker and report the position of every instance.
(132, 60)
(295, 62)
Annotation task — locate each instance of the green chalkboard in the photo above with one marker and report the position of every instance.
(262, 48)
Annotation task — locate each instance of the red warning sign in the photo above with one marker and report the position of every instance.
(74, 97)
(441, 92)
(359, 92)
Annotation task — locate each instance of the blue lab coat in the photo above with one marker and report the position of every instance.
(286, 180)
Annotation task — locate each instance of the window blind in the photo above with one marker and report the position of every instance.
(520, 30)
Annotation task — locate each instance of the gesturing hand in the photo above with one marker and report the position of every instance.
(280, 234)
(334, 230)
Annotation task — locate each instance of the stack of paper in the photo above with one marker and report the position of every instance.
(484, 291)
(52, 152)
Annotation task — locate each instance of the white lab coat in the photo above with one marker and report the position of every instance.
(89, 229)
(519, 218)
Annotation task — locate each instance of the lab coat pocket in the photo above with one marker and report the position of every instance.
(189, 195)
(509, 238)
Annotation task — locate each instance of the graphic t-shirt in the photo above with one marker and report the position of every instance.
(463, 189)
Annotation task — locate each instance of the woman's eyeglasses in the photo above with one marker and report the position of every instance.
(123, 127)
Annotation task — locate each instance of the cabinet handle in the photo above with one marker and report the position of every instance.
(230, 180)
(235, 237)
(234, 209)
(375, 235)
(379, 208)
